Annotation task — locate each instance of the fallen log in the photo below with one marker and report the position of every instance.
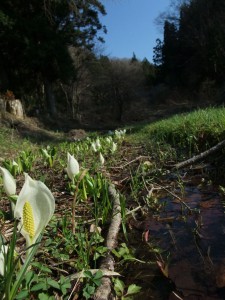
(104, 291)
(200, 156)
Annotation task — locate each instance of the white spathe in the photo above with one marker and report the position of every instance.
(97, 144)
(45, 153)
(114, 147)
(72, 166)
(14, 163)
(93, 145)
(41, 203)
(102, 160)
(3, 253)
(9, 182)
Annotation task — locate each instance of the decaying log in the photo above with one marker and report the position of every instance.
(200, 156)
(104, 291)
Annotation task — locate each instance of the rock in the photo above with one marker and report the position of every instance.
(76, 134)
(2, 105)
(15, 108)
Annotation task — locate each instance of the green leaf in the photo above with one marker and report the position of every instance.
(42, 267)
(98, 274)
(53, 283)
(28, 277)
(88, 274)
(97, 282)
(119, 287)
(88, 291)
(64, 284)
(23, 269)
(126, 298)
(23, 295)
(39, 286)
(133, 289)
(43, 296)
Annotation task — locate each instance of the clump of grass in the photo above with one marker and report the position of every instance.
(11, 143)
(196, 131)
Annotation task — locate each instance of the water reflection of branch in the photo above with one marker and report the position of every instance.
(174, 195)
(172, 235)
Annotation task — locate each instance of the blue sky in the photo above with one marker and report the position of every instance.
(131, 28)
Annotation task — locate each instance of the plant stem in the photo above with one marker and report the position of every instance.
(75, 200)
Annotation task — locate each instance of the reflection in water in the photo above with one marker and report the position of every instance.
(193, 244)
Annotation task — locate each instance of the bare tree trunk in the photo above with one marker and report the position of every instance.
(4, 83)
(75, 101)
(50, 97)
(118, 104)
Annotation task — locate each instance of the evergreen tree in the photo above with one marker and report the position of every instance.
(34, 40)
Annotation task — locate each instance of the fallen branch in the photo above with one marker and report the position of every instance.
(104, 291)
(200, 156)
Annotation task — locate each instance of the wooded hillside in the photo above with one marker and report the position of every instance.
(48, 59)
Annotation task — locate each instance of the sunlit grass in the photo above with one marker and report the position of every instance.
(194, 131)
(11, 143)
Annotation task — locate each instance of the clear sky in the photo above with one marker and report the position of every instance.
(131, 28)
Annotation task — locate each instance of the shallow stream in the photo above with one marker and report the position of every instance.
(193, 248)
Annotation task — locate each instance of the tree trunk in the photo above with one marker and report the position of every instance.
(118, 105)
(50, 97)
(4, 82)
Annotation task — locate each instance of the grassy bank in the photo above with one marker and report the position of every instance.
(193, 132)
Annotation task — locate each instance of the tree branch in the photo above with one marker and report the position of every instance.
(200, 156)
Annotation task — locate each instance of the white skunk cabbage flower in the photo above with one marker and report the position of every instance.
(120, 133)
(97, 144)
(109, 139)
(102, 160)
(9, 182)
(72, 166)
(93, 145)
(3, 253)
(34, 208)
(114, 147)
(14, 163)
(45, 153)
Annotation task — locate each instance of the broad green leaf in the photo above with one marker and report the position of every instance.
(53, 283)
(42, 267)
(98, 274)
(29, 276)
(133, 289)
(43, 296)
(23, 295)
(119, 286)
(39, 286)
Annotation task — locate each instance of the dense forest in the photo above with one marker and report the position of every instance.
(49, 59)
